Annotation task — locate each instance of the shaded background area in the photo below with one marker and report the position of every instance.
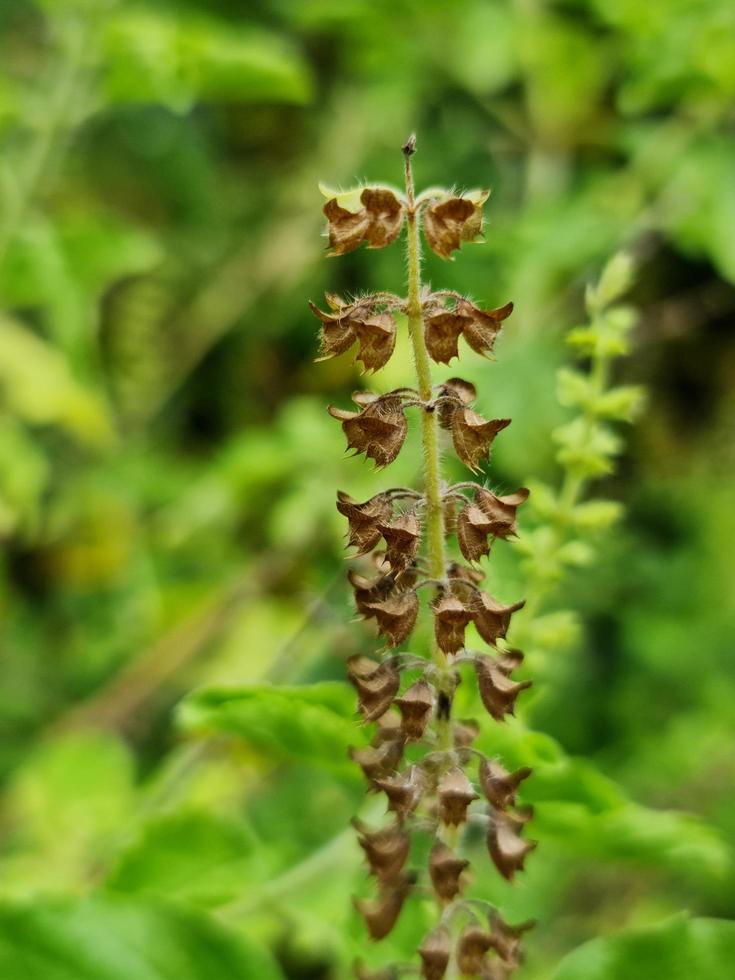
(167, 469)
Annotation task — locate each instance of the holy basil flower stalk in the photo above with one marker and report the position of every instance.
(408, 532)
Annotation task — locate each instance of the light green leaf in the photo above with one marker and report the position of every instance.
(36, 384)
(615, 280)
(68, 804)
(597, 515)
(623, 403)
(117, 939)
(197, 857)
(314, 723)
(178, 59)
(678, 949)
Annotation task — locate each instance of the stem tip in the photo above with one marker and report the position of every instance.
(409, 147)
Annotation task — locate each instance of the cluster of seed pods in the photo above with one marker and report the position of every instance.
(420, 757)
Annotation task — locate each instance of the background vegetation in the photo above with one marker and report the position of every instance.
(167, 469)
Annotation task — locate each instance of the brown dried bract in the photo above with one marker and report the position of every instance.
(368, 591)
(376, 685)
(463, 573)
(435, 951)
(364, 519)
(381, 914)
(507, 939)
(455, 793)
(378, 429)
(453, 394)
(403, 791)
(473, 528)
(451, 617)
(396, 616)
(386, 850)
(445, 871)
(499, 785)
(360, 322)
(416, 705)
(378, 761)
(377, 223)
(507, 848)
(473, 435)
(491, 617)
(481, 327)
(497, 691)
(441, 333)
(445, 326)
(464, 732)
(501, 511)
(451, 220)
(474, 942)
(402, 536)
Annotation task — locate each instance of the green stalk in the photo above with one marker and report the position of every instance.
(429, 424)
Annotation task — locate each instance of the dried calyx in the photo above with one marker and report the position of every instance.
(420, 758)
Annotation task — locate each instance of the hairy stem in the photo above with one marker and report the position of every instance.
(429, 427)
(429, 422)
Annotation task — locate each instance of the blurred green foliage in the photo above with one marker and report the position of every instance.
(167, 470)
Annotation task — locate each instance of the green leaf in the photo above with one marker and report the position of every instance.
(678, 949)
(108, 938)
(314, 724)
(196, 857)
(597, 515)
(586, 448)
(37, 385)
(615, 280)
(573, 387)
(623, 403)
(178, 59)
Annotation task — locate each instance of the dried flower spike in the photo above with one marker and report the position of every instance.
(419, 758)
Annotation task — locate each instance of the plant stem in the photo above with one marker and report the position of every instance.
(429, 426)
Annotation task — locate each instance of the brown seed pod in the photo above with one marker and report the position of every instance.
(501, 511)
(365, 519)
(499, 785)
(507, 848)
(360, 322)
(367, 591)
(454, 393)
(450, 220)
(376, 685)
(473, 436)
(442, 332)
(463, 573)
(481, 327)
(381, 914)
(451, 617)
(497, 691)
(455, 793)
(378, 761)
(506, 939)
(386, 850)
(402, 537)
(445, 871)
(404, 791)
(377, 223)
(378, 429)
(473, 944)
(416, 706)
(464, 732)
(435, 951)
(491, 617)
(473, 528)
(396, 616)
